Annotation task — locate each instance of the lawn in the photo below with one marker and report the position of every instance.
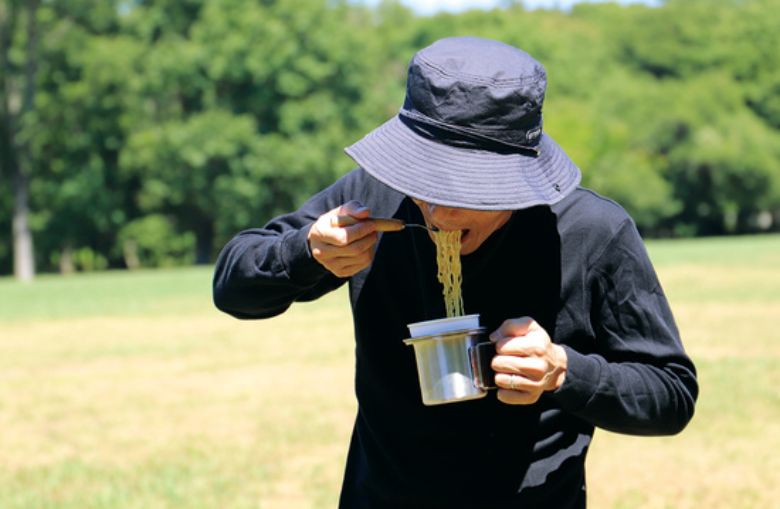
(128, 390)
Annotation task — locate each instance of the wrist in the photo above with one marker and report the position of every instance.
(561, 363)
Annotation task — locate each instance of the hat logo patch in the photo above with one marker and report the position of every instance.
(533, 134)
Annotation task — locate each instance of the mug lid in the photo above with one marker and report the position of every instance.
(445, 335)
(442, 325)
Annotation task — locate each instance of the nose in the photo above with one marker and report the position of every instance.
(440, 215)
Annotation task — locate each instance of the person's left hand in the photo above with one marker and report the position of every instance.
(527, 362)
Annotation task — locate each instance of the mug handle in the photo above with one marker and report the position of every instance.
(481, 355)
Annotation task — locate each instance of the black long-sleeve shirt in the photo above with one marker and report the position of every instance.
(579, 268)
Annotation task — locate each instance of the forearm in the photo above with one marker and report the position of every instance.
(261, 272)
(635, 398)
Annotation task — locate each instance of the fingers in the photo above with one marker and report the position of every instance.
(342, 244)
(514, 327)
(520, 336)
(518, 397)
(345, 260)
(346, 250)
(520, 381)
(527, 362)
(353, 208)
(532, 369)
(348, 269)
(344, 235)
(517, 389)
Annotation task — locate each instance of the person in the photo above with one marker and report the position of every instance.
(558, 274)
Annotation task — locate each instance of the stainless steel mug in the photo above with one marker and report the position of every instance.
(453, 366)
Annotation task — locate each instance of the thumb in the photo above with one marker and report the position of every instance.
(355, 209)
(514, 327)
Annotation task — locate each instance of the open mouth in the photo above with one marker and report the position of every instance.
(434, 228)
(463, 232)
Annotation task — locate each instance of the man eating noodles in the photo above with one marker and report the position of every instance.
(559, 275)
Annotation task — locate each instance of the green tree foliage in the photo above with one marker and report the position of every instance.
(251, 106)
(198, 170)
(160, 128)
(154, 241)
(711, 118)
(78, 198)
(71, 136)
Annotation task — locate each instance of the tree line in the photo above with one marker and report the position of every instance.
(139, 133)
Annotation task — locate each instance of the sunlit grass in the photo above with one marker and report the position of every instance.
(128, 390)
(162, 401)
(114, 293)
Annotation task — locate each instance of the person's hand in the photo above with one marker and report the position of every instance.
(343, 250)
(527, 362)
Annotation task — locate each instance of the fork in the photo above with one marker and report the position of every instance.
(382, 224)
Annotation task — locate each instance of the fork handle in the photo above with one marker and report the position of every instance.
(382, 224)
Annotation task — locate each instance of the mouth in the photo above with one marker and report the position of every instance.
(463, 231)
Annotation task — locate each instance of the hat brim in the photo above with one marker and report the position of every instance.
(464, 177)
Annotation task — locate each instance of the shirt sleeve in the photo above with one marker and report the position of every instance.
(262, 271)
(638, 380)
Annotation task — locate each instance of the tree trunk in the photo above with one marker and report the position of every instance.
(130, 253)
(67, 266)
(204, 240)
(18, 157)
(24, 258)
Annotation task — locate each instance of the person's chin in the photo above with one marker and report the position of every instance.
(468, 243)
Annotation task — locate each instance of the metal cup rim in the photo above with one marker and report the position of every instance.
(441, 336)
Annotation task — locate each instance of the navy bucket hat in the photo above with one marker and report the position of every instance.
(469, 134)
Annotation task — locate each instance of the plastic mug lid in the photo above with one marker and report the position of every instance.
(443, 325)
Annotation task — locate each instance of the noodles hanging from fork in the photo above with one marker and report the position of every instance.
(449, 273)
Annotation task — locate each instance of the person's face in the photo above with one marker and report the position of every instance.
(476, 225)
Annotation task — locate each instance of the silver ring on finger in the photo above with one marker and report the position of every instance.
(512, 382)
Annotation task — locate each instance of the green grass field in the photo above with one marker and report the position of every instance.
(129, 390)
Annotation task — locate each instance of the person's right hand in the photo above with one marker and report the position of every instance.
(343, 250)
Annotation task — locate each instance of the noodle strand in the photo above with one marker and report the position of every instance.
(449, 270)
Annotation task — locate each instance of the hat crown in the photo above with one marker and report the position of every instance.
(480, 85)
(476, 83)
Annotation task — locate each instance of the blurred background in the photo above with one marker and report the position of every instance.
(146, 133)
(138, 136)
